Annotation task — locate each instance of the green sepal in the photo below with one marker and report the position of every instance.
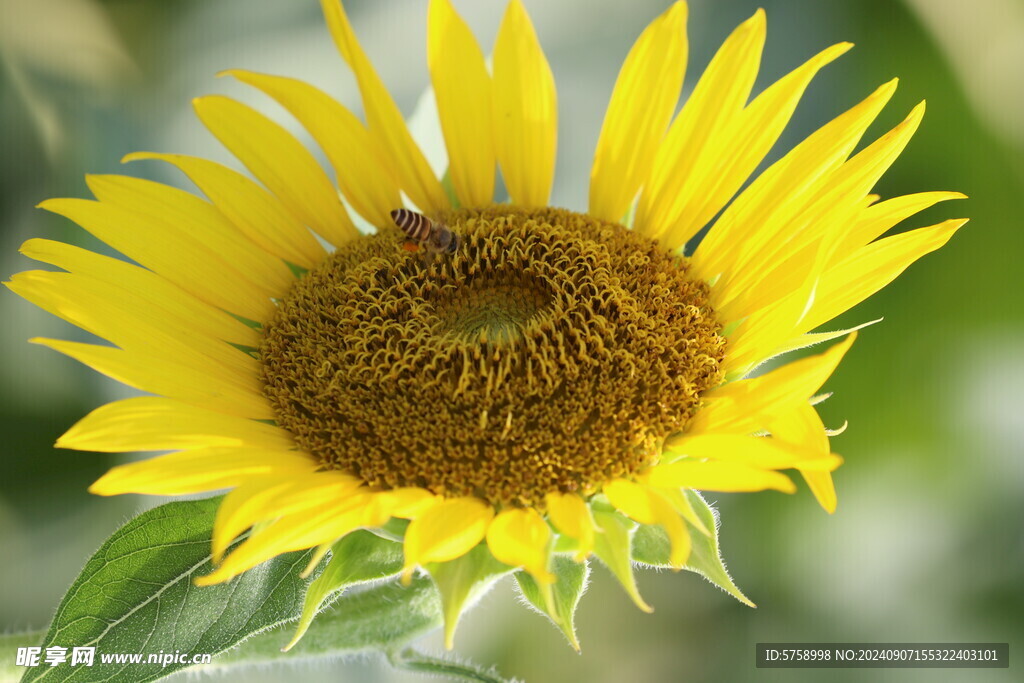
(651, 547)
(392, 530)
(571, 578)
(684, 506)
(360, 557)
(137, 594)
(612, 547)
(462, 582)
(565, 544)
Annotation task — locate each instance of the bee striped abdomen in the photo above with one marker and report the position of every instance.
(416, 226)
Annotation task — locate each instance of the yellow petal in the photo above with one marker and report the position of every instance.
(842, 285)
(520, 537)
(154, 373)
(525, 110)
(446, 531)
(253, 499)
(872, 267)
(759, 214)
(256, 212)
(717, 476)
(682, 504)
(756, 451)
(648, 506)
(280, 162)
(162, 208)
(414, 175)
(162, 424)
(571, 516)
(363, 175)
(745, 406)
(749, 138)
(157, 374)
(199, 470)
(641, 107)
(780, 266)
(133, 321)
(802, 428)
(188, 263)
(462, 87)
(719, 173)
(717, 100)
(407, 502)
(291, 532)
(757, 337)
(879, 218)
(823, 488)
(272, 497)
(172, 300)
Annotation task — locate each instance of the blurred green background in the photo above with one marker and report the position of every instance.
(927, 542)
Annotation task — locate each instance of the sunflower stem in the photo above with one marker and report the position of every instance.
(411, 660)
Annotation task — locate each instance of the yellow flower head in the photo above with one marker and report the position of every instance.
(542, 383)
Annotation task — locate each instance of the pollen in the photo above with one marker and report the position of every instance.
(551, 352)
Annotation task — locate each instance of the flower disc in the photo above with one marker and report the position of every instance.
(552, 352)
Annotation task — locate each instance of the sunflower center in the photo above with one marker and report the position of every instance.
(495, 307)
(551, 352)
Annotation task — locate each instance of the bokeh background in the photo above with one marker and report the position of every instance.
(927, 542)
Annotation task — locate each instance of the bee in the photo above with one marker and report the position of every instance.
(433, 236)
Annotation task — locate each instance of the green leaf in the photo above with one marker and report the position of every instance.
(136, 595)
(462, 582)
(651, 547)
(381, 617)
(571, 583)
(360, 557)
(611, 545)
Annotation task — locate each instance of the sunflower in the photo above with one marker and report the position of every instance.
(555, 383)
